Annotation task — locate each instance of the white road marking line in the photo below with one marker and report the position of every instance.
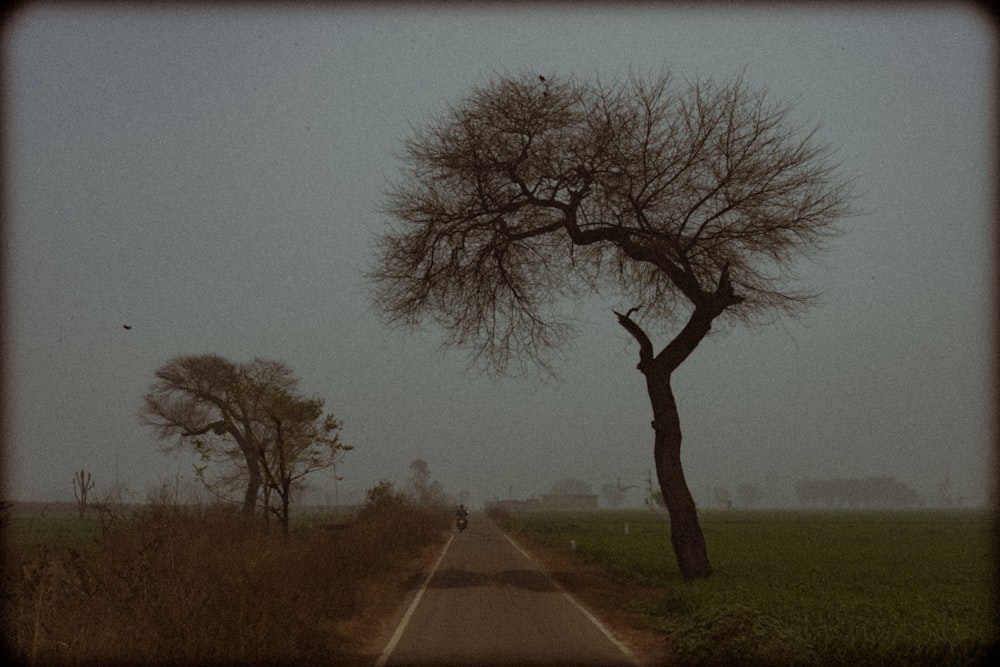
(600, 626)
(391, 646)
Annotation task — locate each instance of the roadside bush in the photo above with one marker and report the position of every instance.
(381, 499)
(205, 585)
(498, 515)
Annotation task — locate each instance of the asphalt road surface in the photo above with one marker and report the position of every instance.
(487, 603)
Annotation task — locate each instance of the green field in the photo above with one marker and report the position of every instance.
(824, 588)
(57, 525)
(52, 531)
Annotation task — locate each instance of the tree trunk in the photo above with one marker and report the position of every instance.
(266, 503)
(285, 500)
(253, 484)
(685, 531)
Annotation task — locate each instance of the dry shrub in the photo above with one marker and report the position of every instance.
(202, 586)
(499, 516)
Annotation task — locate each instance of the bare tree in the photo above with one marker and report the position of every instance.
(654, 499)
(82, 484)
(423, 490)
(722, 498)
(612, 494)
(305, 441)
(615, 493)
(690, 205)
(248, 418)
(221, 409)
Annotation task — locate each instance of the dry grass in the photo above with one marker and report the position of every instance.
(206, 586)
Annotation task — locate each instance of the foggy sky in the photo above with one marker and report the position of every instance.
(212, 178)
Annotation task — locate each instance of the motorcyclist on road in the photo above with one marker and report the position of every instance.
(461, 516)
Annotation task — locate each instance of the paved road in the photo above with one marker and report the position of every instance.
(487, 603)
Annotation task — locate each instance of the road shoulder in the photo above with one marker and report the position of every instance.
(606, 599)
(384, 605)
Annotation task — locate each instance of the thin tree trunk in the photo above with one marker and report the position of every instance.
(284, 509)
(686, 536)
(266, 503)
(253, 485)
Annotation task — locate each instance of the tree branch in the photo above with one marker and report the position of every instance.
(628, 314)
(725, 296)
(645, 345)
(218, 428)
(705, 194)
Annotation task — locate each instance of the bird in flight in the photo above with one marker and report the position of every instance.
(127, 327)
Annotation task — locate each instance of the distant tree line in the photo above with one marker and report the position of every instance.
(885, 491)
(571, 487)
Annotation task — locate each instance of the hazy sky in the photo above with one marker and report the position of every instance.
(212, 178)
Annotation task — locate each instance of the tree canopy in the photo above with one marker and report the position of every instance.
(247, 421)
(527, 192)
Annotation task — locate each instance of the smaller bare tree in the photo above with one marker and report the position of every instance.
(220, 409)
(423, 490)
(304, 440)
(82, 484)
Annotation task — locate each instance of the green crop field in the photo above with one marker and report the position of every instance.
(54, 530)
(57, 525)
(824, 588)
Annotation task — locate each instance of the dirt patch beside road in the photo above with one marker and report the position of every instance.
(606, 599)
(384, 604)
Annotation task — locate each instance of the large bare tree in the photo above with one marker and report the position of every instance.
(208, 402)
(688, 203)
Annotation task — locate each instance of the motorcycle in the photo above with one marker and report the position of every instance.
(462, 523)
